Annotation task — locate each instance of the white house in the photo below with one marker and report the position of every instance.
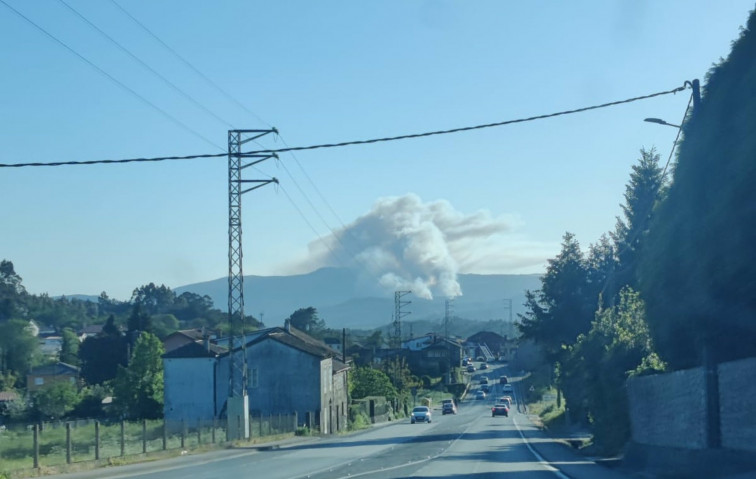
(420, 343)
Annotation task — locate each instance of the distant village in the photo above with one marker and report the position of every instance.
(288, 370)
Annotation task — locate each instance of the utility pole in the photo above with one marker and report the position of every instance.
(237, 405)
(447, 320)
(449, 306)
(508, 306)
(396, 337)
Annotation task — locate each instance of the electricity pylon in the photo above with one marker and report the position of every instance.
(237, 405)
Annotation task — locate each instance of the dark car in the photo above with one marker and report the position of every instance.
(448, 407)
(483, 365)
(503, 380)
(485, 388)
(500, 409)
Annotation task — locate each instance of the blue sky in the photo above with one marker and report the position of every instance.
(322, 72)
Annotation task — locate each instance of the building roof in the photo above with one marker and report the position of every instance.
(444, 343)
(91, 329)
(291, 337)
(8, 396)
(493, 340)
(195, 350)
(193, 334)
(54, 369)
(299, 340)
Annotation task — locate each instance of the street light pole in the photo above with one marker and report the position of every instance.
(708, 362)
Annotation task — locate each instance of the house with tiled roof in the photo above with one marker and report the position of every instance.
(44, 376)
(287, 371)
(182, 337)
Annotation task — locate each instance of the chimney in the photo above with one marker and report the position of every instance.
(287, 325)
(205, 340)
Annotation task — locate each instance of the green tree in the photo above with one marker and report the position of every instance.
(602, 266)
(375, 340)
(139, 320)
(90, 402)
(366, 381)
(597, 366)
(399, 373)
(101, 355)
(56, 400)
(18, 347)
(12, 292)
(69, 352)
(563, 308)
(189, 306)
(138, 388)
(153, 299)
(164, 324)
(699, 262)
(307, 320)
(642, 194)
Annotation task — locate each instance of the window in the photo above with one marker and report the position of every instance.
(39, 381)
(253, 380)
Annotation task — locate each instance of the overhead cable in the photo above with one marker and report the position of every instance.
(111, 78)
(357, 142)
(144, 64)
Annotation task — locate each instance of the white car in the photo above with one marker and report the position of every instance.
(421, 414)
(507, 388)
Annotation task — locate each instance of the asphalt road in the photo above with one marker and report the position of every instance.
(470, 444)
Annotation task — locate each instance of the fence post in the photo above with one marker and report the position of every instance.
(261, 424)
(36, 446)
(165, 434)
(123, 438)
(144, 436)
(199, 433)
(296, 423)
(68, 443)
(97, 440)
(212, 434)
(183, 433)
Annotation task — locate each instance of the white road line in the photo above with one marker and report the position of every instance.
(540, 458)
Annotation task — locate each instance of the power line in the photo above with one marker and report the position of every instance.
(145, 65)
(469, 128)
(188, 64)
(674, 144)
(108, 162)
(360, 142)
(111, 78)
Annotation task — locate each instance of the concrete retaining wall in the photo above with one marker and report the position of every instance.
(737, 393)
(668, 409)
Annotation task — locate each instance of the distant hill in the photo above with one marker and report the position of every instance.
(343, 298)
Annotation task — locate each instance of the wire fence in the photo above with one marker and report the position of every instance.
(61, 443)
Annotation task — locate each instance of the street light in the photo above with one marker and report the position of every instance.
(660, 122)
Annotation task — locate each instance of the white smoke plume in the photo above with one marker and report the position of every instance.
(407, 244)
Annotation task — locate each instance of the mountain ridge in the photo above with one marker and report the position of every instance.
(345, 298)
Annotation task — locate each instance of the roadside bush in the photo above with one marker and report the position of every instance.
(360, 421)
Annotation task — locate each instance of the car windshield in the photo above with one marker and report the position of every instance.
(307, 224)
